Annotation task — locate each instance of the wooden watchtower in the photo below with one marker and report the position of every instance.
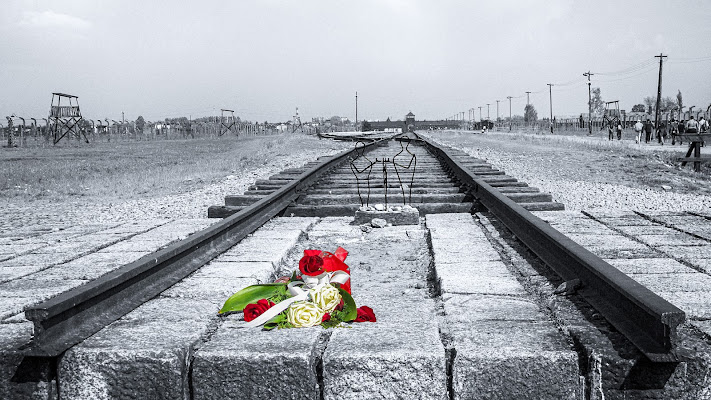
(64, 116)
(227, 122)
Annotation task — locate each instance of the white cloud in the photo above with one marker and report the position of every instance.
(51, 19)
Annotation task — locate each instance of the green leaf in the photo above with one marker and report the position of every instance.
(251, 294)
(349, 312)
(275, 322)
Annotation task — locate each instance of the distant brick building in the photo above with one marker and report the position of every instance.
(409, 124)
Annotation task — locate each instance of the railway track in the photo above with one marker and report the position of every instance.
(446, 182)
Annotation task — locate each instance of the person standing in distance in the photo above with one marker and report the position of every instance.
(638, 130)
(692, 126)
(648, 127)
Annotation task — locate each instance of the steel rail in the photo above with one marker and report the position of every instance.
(647, 320)
(67, 319)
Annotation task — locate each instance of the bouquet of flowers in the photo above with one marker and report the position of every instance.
(319, 295)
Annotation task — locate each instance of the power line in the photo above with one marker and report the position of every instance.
(629, 70)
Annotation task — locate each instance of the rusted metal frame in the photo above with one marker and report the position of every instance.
(647, 320)
(71, 317)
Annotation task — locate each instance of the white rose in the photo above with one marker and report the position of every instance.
(303, 314)
(327, 297)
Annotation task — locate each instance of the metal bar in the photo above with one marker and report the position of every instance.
(71, 317)
(647, 320)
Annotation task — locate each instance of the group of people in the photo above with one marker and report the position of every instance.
(673, 128)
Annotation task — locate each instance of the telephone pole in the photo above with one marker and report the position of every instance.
(510, 120)
(497, 110)
(356, 122)
(480, 107)
(528, 101)
(487, 112)
(550, 89)
(659, 92)
(589, 74)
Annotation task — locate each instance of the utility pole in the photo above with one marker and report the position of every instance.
(589, 74)
(659, 92)
(356, 122)
(480, 107)
(527, 98)
(510, 120)
(497, 110)
(550, 89)
(487, 112)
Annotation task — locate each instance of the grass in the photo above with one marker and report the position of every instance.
(130, 169)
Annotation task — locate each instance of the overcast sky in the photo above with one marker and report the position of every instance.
(265, 58)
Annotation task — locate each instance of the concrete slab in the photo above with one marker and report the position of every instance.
(612, 252)
(696, 305)
(92, 266)
(466, 309)
(136, 244)
(701, 263)
(684, 252)
(144, 356)
(647, 230)
(255, 249)
(262, 272)
(606, 241)
(480, 373)
(37, 260)
(8, 273)
(24, 292)
(456, 281)
(677, 282)
(671, 239)
(254, 364)
(451, 252)
(367, 361)
(216, 289)
(649, 266)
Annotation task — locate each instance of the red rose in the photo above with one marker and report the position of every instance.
(340, 305)
(326, 317)
(252, 311)
(311, 263)
(365, 314)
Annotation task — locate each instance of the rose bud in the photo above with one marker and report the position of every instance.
(326, 317)
(340, 305)
(365, 314)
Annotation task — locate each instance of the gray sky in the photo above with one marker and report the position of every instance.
(264, 58)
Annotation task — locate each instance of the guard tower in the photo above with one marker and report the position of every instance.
(64, 116)
(297, 122)
(228, 122)
(409, 122)
(612, 115)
